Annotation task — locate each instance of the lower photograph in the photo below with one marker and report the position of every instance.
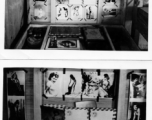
(74, 94)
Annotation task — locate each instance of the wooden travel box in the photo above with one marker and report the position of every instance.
(76, 25)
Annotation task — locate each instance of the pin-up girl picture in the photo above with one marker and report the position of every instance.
(62, 12)
(51, 86)
(136, 112)
(71, 86)
(39, 12)
(90, 13)
(16, 83)
(76, 12)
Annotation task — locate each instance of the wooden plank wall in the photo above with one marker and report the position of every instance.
(5, 106)
(15, 18)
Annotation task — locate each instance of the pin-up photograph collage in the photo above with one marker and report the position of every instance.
(75, 60)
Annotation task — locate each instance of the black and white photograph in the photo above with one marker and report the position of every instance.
(53, 83)
(39, 12)
(138, 87)
(76, 12)
(110, 9)
(16, 83)
(16, 108)
(67, 43)
(91, 12)
(62, 12)
(63, 44)
(137, 111)
(72, 83)
(95, 85)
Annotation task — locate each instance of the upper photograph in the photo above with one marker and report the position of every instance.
(90, 25)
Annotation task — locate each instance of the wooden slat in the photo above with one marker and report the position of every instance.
(5, 105)
(37, 93)
(122, 107)
(29, 94)
(142, 21)
(109, 39)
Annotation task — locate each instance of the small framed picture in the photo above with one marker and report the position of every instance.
(91, 13)
(137, 111)
(72, 83)
(67, 43)
(138, 87)
(16, 108)
(76, 12)
(109, 9)
(16, 83)
(53, 83)
(63, 44)
(90, 84)
(62, 12)
(39, 12)
(97, 85)
(107, 83)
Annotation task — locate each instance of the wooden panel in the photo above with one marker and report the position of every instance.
(122, 98)
(142, 21)
(37, 94)
(127, 20)
(29, 94)
(5, 105)
(70, 102)
(15, 14)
